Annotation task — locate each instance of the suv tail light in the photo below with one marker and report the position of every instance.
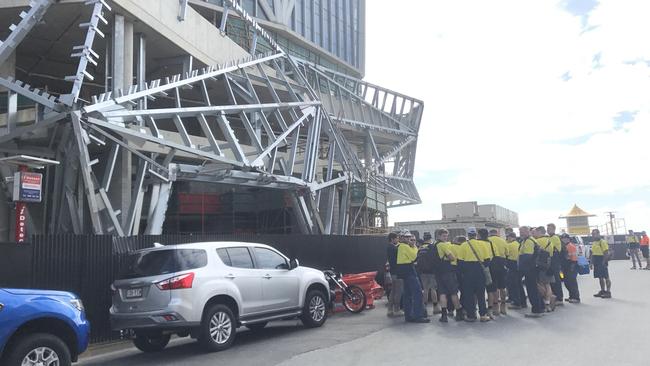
(178, 282)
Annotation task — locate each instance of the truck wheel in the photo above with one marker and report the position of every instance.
(39, 349)
(151, 343)
(314, 312)
(218, 328)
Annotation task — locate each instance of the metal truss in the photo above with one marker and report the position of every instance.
(29, 19)
(269, 132)
(267, 121)
(387, 121)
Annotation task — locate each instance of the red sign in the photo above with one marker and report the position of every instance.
(198, 203)
(21, 222)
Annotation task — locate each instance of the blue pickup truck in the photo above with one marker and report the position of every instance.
(41, 327)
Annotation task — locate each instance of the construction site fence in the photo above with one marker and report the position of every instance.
(87, 264)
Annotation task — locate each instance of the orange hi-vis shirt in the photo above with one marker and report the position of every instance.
(572, 252)
(645, 241)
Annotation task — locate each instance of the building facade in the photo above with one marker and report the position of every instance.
(152, 116)
(457, 217)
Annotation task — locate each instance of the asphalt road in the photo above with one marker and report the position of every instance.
(596, 332)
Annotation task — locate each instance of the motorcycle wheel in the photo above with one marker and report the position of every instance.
(354, 299)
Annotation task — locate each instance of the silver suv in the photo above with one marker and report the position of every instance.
(208, 290)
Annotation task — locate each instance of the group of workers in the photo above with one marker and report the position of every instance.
(637, 247)
(485, 270)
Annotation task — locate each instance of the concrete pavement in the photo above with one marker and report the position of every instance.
(596, 332)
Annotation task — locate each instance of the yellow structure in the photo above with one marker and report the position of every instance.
(577, 221)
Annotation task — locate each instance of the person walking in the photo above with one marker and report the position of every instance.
(598, 261)
(527, 266)
(406, 255)
(644, 244)
(516, 293)
(428, 277)
(395, 297)
(497, 298)
(472, 260)
(633, 249)
(446, 277)
(556, 264)
(570, 269)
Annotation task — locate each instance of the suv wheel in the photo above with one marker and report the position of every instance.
(218, 328)
(39, 349)
(151, 343)
(314, 312)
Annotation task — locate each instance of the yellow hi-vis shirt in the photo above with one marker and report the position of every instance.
(631, 239)
(527, 246)
(499, 245)
(512, 250)
(545, 244)
(406, 254)
(466, 254)
(556, 243)
(444, 248)
(599, 247)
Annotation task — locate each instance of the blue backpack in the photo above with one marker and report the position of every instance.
(583, 265)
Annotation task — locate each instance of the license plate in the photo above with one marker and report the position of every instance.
(133, 293)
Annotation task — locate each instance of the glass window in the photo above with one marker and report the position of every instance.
(249, 6)
(240, 258)
(225, 258)
(317, 22)
(325, 19)
(298, 12)
(308, 21)
(158, 262)
(268, 259)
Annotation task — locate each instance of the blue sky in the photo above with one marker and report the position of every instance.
(533, 106)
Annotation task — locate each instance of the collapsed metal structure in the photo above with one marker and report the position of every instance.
(266, 120)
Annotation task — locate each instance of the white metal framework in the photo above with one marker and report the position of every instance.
(267, 120)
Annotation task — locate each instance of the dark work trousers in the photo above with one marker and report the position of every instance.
(412, 296)
(571, 280)
(459, 276)
(556, 287)
(473, 289)
(536, 302)
(515, 286)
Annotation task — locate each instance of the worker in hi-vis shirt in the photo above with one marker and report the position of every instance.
(407, 254)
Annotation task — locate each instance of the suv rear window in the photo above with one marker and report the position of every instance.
(158, 262)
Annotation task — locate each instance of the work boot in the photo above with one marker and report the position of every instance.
(599, 294)
(459, 315)
(607, 295)
(419, 320)
(390, 313)
(534, 315)
(443, 316)
(485, 318)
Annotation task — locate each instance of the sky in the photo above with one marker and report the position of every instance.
(531, 105)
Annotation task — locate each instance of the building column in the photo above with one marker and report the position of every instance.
(122, 79)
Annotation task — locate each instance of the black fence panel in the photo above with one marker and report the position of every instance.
(16, 265)
(87, 264)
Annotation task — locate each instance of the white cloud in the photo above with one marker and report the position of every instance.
(490, 72)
